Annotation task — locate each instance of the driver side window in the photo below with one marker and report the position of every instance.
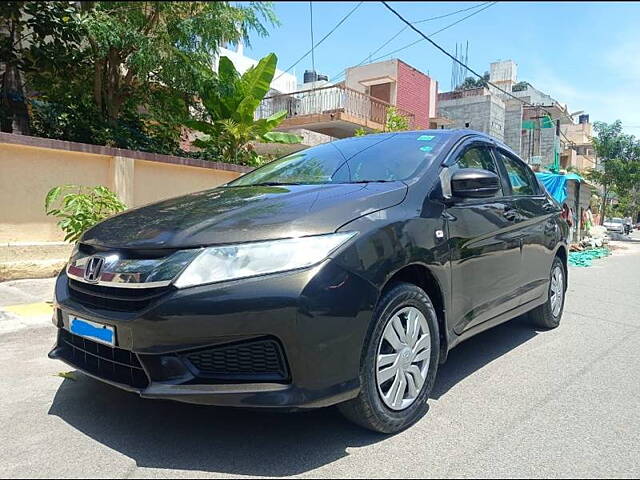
(479, 157)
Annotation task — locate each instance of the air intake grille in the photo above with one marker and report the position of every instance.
(111, 298)
(257, 360)
(114, 364)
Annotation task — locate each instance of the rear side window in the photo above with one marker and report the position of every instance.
(521, 177)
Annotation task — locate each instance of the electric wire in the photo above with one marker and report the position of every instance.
(344, 19)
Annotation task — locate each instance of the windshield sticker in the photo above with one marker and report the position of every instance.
(426, 148)
(426, 138)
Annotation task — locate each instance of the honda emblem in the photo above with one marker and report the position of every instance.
(93, 269)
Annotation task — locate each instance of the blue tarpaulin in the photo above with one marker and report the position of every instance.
(556, 184)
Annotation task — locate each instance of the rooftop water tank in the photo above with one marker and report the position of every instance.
(310, 76)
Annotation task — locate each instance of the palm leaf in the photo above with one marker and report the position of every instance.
(257, 80)
(282, 137)
(227, 72)
(245, 110)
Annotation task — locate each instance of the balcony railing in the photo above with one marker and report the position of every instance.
(328, 100)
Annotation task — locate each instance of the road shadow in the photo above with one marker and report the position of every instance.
(168, 435)
(617, 237)
(480, 350)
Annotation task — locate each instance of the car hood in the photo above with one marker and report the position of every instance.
(243, 214)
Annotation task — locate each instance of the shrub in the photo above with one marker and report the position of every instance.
(79, 207)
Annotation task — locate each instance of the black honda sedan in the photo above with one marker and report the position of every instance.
(342, 274)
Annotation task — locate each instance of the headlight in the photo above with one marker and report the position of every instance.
(216, 264)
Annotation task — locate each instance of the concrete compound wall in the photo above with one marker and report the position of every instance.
(30, 167)
(31, 244)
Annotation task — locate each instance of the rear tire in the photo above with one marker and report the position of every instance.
(548, 315)
(396, 380)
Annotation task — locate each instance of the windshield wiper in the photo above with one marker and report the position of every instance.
(373, 181)
(272, 184)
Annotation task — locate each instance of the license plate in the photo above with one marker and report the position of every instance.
(97, 332)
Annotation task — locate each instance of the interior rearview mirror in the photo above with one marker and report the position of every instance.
(474, 183)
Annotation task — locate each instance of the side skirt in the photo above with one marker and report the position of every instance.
(495, 321)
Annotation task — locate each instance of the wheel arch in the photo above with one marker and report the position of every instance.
(420, 275)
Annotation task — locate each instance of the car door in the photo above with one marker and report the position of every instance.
(485, 247)
(536, 213)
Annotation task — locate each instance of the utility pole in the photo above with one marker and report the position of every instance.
(556, 149)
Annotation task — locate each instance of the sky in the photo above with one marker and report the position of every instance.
(584, 54)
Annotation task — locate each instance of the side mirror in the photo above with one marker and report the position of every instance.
(474, 183)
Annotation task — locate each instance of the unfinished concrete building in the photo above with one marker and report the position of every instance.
(476, 109)
(528, 130)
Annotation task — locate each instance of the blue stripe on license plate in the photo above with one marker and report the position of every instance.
(86, 330)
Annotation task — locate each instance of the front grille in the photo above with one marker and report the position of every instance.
(147, 253)
(111, 363)
(114, 298)
(256, 360)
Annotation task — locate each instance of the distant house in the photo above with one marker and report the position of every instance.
(359, 102)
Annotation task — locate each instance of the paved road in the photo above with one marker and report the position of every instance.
(512, 402)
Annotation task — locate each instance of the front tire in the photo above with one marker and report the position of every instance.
(548, 315)
(399, 362)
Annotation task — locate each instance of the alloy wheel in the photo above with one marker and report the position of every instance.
(404, 354)
(557, 290)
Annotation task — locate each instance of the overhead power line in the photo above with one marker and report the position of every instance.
(313, 57)
(486, 5)
(321, 40)
(420, 21)
(509, 94)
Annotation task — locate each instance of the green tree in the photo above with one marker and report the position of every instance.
(470, 83)
(229, 102)
(38, 38)
(122, 74)
(619, 158)
(140, 52)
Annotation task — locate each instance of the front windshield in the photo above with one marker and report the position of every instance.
(375, 158)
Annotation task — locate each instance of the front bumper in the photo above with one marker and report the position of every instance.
(317, 320)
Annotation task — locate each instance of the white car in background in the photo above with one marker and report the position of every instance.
(614, 225)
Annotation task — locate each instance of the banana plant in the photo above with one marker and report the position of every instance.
(230, 102)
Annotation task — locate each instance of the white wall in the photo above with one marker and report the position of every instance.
(386, 71)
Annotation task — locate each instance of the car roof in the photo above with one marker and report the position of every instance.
(452, 136)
